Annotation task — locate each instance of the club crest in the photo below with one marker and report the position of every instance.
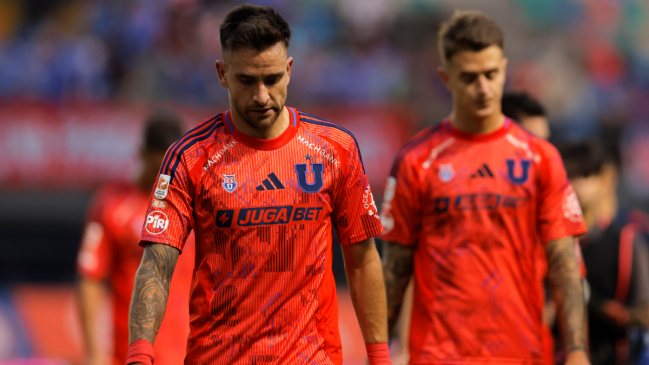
(316, 169)
(446, 172)
(524, 171)
(229, 183)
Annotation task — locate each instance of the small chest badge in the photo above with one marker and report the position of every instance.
(446, 172)
(229, 183)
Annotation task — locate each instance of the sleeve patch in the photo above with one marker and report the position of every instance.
(162, 188)
(571, 207)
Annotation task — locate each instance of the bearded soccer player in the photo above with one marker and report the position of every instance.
(262, 185)
(467, 204)
(110, 253)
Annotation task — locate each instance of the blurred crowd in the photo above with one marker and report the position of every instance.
(586, 60)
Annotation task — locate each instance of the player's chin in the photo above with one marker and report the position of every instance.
(262, 121)
(484, 111)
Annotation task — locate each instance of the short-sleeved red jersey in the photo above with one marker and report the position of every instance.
(110, 251)
(263, 213)
(477, 207)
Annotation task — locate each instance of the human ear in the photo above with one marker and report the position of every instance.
(443, 74)
(221, 68)
(289, 65)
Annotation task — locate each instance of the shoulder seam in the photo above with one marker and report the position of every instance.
(324, 122)
(411, 145)
(199, 133)
(525, 131)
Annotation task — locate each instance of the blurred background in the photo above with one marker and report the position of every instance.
(77, 79)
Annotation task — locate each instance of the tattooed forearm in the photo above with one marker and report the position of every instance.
(565, 281)
(151, 291)
(397, 269)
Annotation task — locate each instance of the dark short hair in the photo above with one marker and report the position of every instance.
(517, 105)
(584, 158)
(161, 130)
(467, 31)
(253, 26)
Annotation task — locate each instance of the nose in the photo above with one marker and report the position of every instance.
(483, 85)
(261, 95)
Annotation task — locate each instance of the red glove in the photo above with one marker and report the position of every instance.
(378, 353)
(140, 352)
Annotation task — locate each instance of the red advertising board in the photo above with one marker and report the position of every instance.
(79, 146)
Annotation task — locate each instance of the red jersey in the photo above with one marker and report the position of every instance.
(110, 250)
(477, 207)
(263, 213)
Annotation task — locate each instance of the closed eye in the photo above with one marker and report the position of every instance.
(272, 80)
(246, 80)
(468, 77)
(491, 74)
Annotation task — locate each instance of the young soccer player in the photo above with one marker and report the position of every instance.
(110, 253)
(467, 204)
(615, 254)
(262, 185)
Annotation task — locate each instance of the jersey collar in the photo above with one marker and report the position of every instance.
(265, 144)
(446, 123)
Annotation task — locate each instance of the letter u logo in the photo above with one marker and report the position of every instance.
(525, 167)
(317, 169)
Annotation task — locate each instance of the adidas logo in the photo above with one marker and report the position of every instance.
(483, 171)
(271, 183)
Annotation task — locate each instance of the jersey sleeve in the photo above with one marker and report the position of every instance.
(355, 215)
(559, 213)
(95, 253)
(169, 218)
(401, 210)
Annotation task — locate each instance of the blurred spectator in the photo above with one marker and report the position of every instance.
(527, 111)
(109, 251)
(615, 253)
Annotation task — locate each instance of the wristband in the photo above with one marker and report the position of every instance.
(140, 352)
(378, 353)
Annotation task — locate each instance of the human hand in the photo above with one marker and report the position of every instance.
(98, 359)
(617, 312)
(402, 358)
(577, 357)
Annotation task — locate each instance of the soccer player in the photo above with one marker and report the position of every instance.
(110, 253)
(262, 185)
(466, 205)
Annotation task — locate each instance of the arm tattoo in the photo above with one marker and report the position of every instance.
(397, 269)
(151, 291)
(565, 281)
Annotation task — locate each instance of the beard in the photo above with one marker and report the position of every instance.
(256, 120)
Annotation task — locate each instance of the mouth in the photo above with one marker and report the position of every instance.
(262, 111)
(482, 103)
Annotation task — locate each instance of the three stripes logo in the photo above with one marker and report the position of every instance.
(272, 183)
(483, 171)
